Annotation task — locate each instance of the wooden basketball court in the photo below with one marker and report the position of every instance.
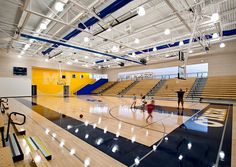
(109, 114)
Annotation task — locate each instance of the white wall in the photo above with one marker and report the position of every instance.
(11, 87)
(7, 64)
(221, 62)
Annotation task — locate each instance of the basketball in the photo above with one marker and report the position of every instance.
(81, 115)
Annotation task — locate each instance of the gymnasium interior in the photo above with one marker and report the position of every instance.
(115, 83)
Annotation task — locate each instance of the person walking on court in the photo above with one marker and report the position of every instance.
(143, 99)
(180, 94)
(150, 107)
(133, 105)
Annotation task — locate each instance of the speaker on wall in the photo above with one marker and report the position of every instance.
(121, 64)
(143, 61)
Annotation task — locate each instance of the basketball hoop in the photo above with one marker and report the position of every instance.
(60, 81)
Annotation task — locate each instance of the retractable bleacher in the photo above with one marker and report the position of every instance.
(223, 87)
(168, 90)
(117, 88)
(103, 87)
(142, 87)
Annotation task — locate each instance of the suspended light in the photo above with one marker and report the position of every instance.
(147, 58)
(86, 57)
(136, 40)
(215, 17)
(154, 49)
(76, 60)
(94, 63)
(46, 60)
(222, 45)
(99, 67)
(19, 56)
(43, 26)
(86, 39)
(27, 46)
(69, 63)
(59, 6)
(115, 49)
(215, 35)
(105, 60)
(141, 11)
(181, 43)
(109, 29)
(167, 31)
(191, 51)
(133, 54)
(109, 66)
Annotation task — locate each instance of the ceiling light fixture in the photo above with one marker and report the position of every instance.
(86, 39)
(215, 17)
(69, 63)
(167, 31)
(86, 57)
(222, 45)
(136, 41)
(46, 60)
(154, 49)
(191, 51)
(109, 29)
(115, 49)
(19, 56)
(141, 11)
(43, 26)
(181, 43)
(215, 35)
(59, 6)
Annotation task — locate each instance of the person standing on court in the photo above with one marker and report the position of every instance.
(133, 105)
(180, 94)
(150, 107)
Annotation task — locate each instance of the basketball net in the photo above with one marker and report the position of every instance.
(60, 81)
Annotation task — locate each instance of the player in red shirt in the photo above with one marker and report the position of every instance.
(150, 107)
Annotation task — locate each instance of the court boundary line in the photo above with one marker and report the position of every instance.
(164, 136)
(222, 138)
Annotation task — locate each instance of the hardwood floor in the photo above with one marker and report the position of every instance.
(115, 115)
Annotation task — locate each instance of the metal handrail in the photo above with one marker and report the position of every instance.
(16, 123)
